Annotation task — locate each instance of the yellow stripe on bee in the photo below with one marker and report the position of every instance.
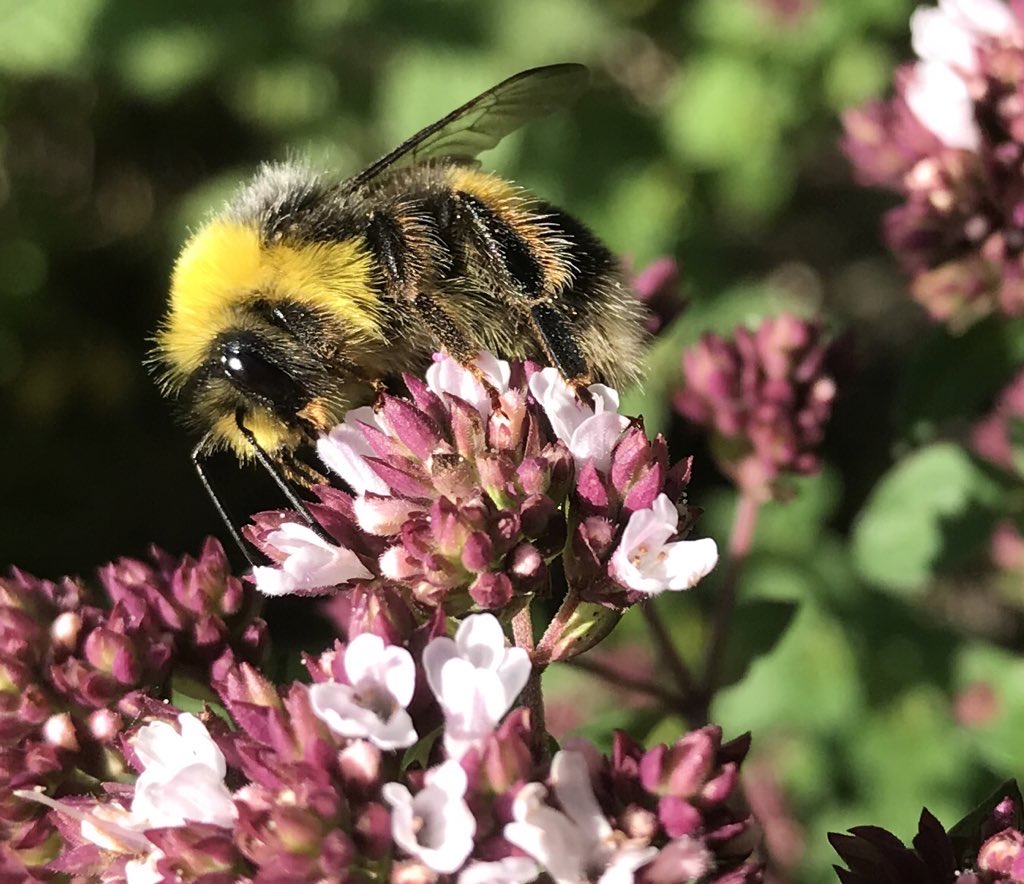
(270, 433)
(487, 187)
(225, 264)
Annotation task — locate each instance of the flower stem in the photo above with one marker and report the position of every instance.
(669, 698)
(744, 523)
(548, 641)
(669, 654)
(532, 696)
(522, 628)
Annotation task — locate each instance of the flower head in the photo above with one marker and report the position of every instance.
(647, 562)
(436, 825)
(475, 678)
(466, 489)
(182, 776)
(576, 843)
(306, 561)
(766, 395)
(950, 141)
(382, 679)
(78, 667)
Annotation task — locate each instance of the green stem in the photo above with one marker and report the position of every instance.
(744, 523)
(670, 656)
(669, 698)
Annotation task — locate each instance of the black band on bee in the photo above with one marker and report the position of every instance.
(384, 237)
(503, 245)
(559, 343)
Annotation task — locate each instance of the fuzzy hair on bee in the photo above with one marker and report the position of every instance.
(307, 293)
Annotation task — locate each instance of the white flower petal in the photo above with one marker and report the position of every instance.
(645, 560)
(937, 36)
(344, 450)
(363, 655)
(570, 778)
(383, 516)
(475, 678)
(595, 438)
(447, 376)
(310, 562)
(689, 561)
(193, 794)
(339, 707)
(991, 18)
(940, 100)
(559, 401)
(436, 825)
(510, 870)
(162, 750)
(605, 398)
(481, 640)
(514, 672)
(548, 836)
(144, 871)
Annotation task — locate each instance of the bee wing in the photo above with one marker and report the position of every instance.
(483, 121)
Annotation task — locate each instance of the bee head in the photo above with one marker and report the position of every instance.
(263, 332)
(258, 370)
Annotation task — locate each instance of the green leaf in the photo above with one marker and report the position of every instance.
(757, 627)
(191, 695)
(955, 375)
(967, 835)
(808, 681)
(908, 754)
(419, 752)
(928, 514)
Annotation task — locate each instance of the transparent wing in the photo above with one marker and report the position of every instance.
(483, 121)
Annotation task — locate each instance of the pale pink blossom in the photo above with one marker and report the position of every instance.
(939, 37)
(576, 844)
(510, 870)
(182, 781)
(447, 376)
(309, 562)
(647, 561)
(144, 871)
(941, 101)
(183, 776)
(589, 431)
(344, 450)
(436, 825)
(372, 706)
(947, 38)
(383, 516)
(475, 678)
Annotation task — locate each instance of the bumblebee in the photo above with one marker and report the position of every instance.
(306, 293)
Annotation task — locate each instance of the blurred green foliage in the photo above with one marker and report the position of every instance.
(710, 135)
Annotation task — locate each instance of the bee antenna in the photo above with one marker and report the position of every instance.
(274, 471)
(229, 523)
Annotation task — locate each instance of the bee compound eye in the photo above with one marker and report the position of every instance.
(254, 374)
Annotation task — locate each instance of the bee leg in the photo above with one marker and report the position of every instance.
(275, 471)
(229, 523)
(556, 338)
(509, 254)
(444, 329)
